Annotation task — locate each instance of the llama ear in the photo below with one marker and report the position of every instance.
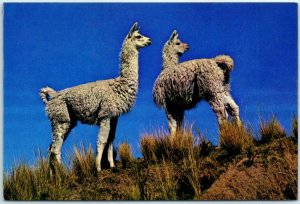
(133, 28)
(173, 36)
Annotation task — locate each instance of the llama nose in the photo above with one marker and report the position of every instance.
(149, 42)
(187, 47)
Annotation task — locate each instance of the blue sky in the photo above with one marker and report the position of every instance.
(63, 45)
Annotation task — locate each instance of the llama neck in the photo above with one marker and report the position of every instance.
(129, 62)
(126, 85)
(170, 60)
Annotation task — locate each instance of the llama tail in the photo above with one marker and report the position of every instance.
(225, 62)
(46, 94)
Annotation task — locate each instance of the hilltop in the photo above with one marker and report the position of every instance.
(185, 167)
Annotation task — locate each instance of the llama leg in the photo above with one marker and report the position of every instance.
(218, 106)
(172, 124)
(60, 131)
(111, 155)
(112, 133)
(232, 108)
(179, 118)
(102, 140)
(175, 119)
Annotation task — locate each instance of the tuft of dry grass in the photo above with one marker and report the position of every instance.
(270, 130)
(295, 128)
(132, 193)
(158, 146)
(166, 181)
(203, 147)
(181, 167)
(125, 154)
(21, 184)
(235, 138)
(181, 144)
(181, 148)
(192, 174)
(35, 183)
(148, 147)
(84, 163)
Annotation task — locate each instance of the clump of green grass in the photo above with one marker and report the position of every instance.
(270, 130)
(125, 154)
(159, 146)
(235, 138)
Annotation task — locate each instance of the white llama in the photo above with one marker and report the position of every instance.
(97, 103)
(180, 86)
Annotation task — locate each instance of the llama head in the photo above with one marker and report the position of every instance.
(136, 39)
(175, 46)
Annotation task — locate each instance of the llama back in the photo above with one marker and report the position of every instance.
(208, 75)
(188, 83)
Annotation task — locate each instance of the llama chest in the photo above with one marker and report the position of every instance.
(119, 101)
(176, 88)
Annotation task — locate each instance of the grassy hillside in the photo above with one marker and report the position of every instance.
(183, 167)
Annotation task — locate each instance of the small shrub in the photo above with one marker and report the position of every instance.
(125, 154)
(235, 138)
(270, 130)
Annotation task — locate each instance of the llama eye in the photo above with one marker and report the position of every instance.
(178, 43)
(138, 37)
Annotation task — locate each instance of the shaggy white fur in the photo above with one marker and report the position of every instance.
(99, 103)
(180, 86)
